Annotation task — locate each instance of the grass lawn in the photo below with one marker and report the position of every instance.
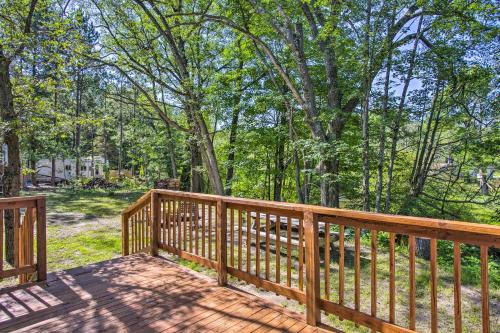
(83, 226)
(99, 203)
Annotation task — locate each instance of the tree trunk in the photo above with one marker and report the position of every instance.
(196, 164)
(231, 154)
(385, 110)
(171, 147)
(120, 149)
(53, 158)
(397, 121)
(423, 248)
(11, 180)
(53, 171)
(78, 126)
(207, 152)
(279, 159)
(366, 112)
(34, 178)
(381, 150)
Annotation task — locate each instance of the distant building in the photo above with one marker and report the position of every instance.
(65, 169)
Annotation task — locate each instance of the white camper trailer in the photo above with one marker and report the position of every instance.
(65, 169)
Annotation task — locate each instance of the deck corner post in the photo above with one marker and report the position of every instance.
(313, 313)
(221, 242)
(155, 222)
(41, 244)
(125, 235)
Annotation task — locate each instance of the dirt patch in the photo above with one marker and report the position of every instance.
(69, 224)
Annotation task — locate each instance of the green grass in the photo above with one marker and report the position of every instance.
(99, 203)
(82, 248)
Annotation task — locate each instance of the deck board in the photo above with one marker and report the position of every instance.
(139, 293)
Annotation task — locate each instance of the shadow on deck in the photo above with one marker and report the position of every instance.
(139, 293)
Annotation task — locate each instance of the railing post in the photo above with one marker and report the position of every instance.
(313, 313)
(125, 235)
(155, 222)
(41, 245)
(221, 242)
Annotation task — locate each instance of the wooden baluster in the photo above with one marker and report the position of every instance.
(232, 236)
(457, 287)
(249, 240)
(301, 256)
(411, 250)
(257, 244)
(289, 251)
(154, 238)
(197, 226)
(327, 261)
(434, 285)
(174, 224)
(392, 278)
(191, 226)
(144, 228)
(222, 242)
(1, 243)
(203, 231)
(313, 313)
(240, 238)
(357, 268)
(133, 232)
(139, 230)
(41, 241)
(136, 231)
(374, 274)
(31, 235)
(217, 235)
(164, 224)
(341, 265)
(16, 237)
(184, 225)
(179, 225)
(278, 248)
(169, 223)
(125, 235)
(485, 300)
(210, 231)
(268, 256)
(20, 246)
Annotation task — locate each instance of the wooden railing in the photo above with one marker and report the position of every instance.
(24, 219)
(287, 249)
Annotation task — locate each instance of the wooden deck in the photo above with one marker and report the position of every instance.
(139, 293)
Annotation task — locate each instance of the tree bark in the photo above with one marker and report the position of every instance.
(385, 110)
(196, 164)
(11, 179)
(399, 115)
(279, 159)
(78, 126)
(171, 147)
(366, 113)
(53, 171)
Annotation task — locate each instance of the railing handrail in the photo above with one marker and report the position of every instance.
(473, 233)
(144, 198)
(152, 221)
(24, 236)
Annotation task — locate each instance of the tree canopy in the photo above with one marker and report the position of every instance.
(381, 105)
